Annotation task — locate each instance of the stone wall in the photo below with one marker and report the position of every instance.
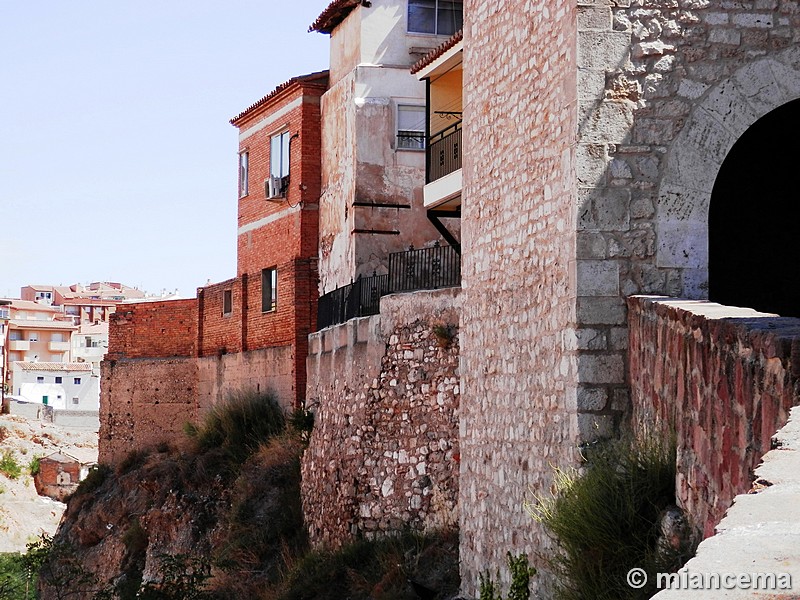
(144, 402)
(723, 379)
(385, 391)
(519, 416)
(665, 88)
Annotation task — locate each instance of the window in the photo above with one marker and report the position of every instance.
(15, 336)
(76, 400)
(410, 127)
(57, 337)
(40, 380)
(440, 17)
(244, 172)
(59, 379)
(87, 341)
(227, 302)
(33, 336)
(76, 381)
(269, 289)
(5, 313)
(279, 155)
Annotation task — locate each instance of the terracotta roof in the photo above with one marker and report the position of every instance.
(336, 12)
(310, 78)
(30, 305)
(438, 52)
(40, 324)
(49, 366)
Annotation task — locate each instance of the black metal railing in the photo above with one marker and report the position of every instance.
(359, 299)
(423, 269)
(444, 152)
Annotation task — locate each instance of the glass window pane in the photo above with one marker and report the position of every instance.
(285, 154)
(449, 17)
(422, 16)
(275, 157)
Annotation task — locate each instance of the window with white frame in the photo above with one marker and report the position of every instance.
(279, 163)
(411, 127)
(76, 380)
(244, 172)
(439, 17)
(269, 289)
(33, 336)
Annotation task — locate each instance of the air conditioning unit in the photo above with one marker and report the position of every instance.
(273, 188)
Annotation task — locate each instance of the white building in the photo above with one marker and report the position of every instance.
(64, 386)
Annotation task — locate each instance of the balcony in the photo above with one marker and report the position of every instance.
(19, 345)
(59, 346)
(444, 166)
(423, 269)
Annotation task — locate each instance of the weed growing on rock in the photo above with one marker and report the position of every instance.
(521, 573)
(607, 519)
(9, 465)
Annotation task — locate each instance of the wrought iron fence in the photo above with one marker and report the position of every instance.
(359, 299)
(423, 269)
(444, 152)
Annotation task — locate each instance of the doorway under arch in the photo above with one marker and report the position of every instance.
(753, 231)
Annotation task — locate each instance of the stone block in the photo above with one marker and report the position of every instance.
(601, 368)
(601, 311)
(606, 209)
(603, 50)
(682, 244)
(597, 278)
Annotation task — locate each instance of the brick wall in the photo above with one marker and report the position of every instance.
(153, 329)
(218, 332)
(723, 379)
(384, 451)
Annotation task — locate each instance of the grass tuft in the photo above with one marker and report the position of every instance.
(239, 425)
(606, 519)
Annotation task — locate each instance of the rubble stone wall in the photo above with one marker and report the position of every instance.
(723, 379)
(385, 391)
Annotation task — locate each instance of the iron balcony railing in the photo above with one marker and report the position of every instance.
(444, 152)
(423, 269)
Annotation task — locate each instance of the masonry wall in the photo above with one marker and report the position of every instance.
(218, 332)
(384, 451)
(724, 379)
(519, 412)
(144, 402)
(665, 88)
(154, 329)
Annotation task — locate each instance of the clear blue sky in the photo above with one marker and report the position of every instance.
(117, 161)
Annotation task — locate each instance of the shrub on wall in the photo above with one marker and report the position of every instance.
(616, 514)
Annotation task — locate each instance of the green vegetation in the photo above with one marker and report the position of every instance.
(13, 578)
(93, 480)
(606, 520)
(34, 466)
(9, 465)
(239, 425)
(408, 566)
(521, 573)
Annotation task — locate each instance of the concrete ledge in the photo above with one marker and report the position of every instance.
(761, 531)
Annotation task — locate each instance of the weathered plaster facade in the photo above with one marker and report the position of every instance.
(371, 202)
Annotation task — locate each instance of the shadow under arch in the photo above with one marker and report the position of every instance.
(753, 231)
(694, 159)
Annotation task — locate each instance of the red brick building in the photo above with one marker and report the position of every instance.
(170, 360)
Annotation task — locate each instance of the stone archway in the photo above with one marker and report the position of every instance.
(720, 118)
(752, 235)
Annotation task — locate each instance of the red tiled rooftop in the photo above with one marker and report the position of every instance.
(321, 76)
(336, 12)
(438, 52)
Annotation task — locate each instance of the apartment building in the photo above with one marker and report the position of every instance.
(373, 132)
(90, 303)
